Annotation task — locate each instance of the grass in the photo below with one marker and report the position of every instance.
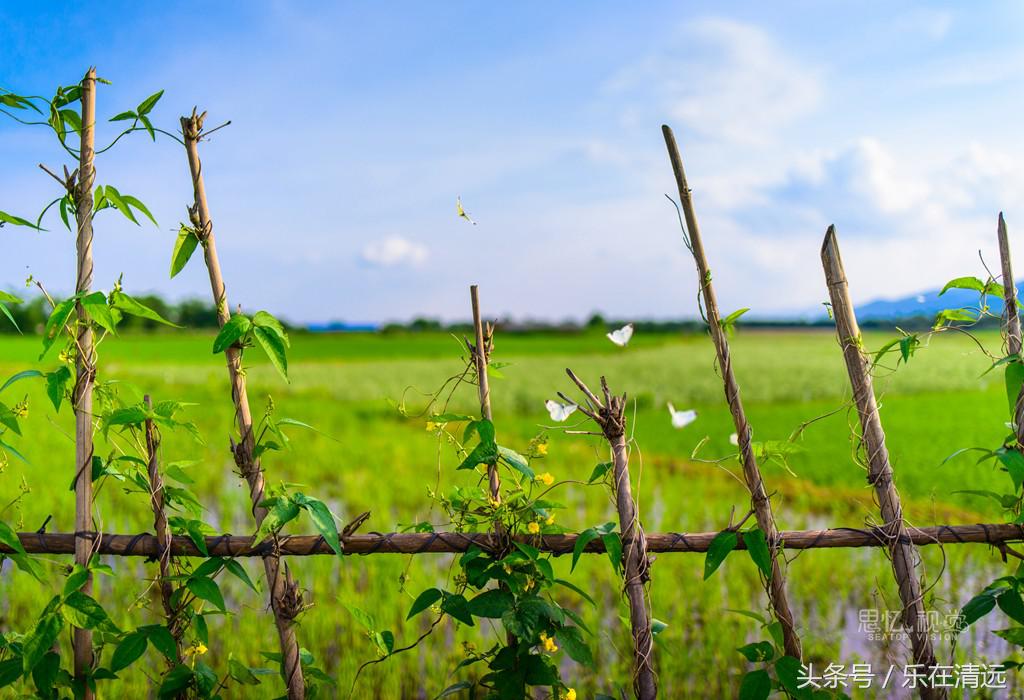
(368, 457)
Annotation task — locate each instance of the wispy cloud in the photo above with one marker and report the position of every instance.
(394, 251)
(903, 227)
(723, 79)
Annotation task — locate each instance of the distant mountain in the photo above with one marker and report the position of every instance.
(923, 304)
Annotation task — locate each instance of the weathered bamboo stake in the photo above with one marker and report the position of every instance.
(163, 534)
(880, 475)
(146, 545)
(1011, 323)
(481, 355)
(285, 599)
(610, 415)
(776, 584)
(481, 352)
(85, 363)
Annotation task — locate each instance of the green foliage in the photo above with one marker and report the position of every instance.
(757, 548)
(6, 298)
(140, 115)
(728, 323)
(108, 197)
(191, 590)
(283, 507)
(241, 331)
(720, 547)
(511, 585)
(184, 246)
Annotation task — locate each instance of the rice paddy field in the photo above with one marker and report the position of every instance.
(367, 456)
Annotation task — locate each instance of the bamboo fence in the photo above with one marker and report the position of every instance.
(898, 538)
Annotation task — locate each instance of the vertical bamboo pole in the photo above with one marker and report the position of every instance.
(480, 353)
(85, 365)
(880, 475)
(163, 532)
(283, 591)
(1012, 324)
(762, 506)
(610, 415)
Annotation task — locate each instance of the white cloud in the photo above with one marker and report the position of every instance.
(394, 251)
(730, 81)
(904, 224)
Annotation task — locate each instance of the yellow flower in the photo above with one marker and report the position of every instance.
(570, 694)
(542, 449)
(533, 528)
(550, 520)
(196, 649)
(546, 478)
(548, 644)
(431, 426)
(529, 584)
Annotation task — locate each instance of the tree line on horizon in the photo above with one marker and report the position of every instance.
(30, 317)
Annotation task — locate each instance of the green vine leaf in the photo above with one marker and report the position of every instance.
(728, 324)
(83, 611)
(128, 651)
(184, 246)
(423, 601)
(613, 546)
(757, 548)
(1014, 377)
(133, 307)
(40, 640)
(571, 640)
(274, 345)
(758, 651)
(723, 543)
(6, 218)
(9, 538)
(56, 322)
(231, 332)
(96, 306)
(322, 519)
(6, 298)
(756, 685)
(491, 604)
(976, 608)
(205, 588)
(486, 451)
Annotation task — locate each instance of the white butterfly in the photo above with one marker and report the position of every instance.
(559, 411)
(462, 212)
(681, 419)
(621, 336)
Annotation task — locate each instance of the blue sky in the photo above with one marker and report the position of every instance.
(355, 127)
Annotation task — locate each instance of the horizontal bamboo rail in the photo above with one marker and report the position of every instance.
(147, 545)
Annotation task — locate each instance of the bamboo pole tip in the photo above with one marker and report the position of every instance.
(830, 257)
(830, 246)
(1002, 225)
(667, 131)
